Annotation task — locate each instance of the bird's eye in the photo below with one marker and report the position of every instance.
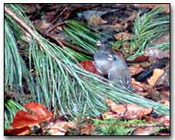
(115, 59)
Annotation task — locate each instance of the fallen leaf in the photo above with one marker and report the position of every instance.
(109, 115)
(89, 66)
(123, 36)
(145, 130)
(115, 107)
(138, 59)
(136, 112)
(59, 127)
(20, 131)
(39, 109)
(127, 111)
(137, 85)
(163, 134)
(135, 70)
(87, 128)
(117, 26)
(162, 120)
(156, 75)
(38, 113)
(95, 20)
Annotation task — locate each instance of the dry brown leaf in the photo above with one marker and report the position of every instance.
(42, 25)
(127, 111)
(60, 127)
(123, 35)
(136, 112)
(154, 78)
(118, 26)
(87, 129)
(145, 130)
(164, 120)
(135, 70)
(109, 115)
(115, 107)
(95, 20)
(137, 85)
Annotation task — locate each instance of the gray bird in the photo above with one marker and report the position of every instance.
(119, 73)
(103, 58)
(109, 64)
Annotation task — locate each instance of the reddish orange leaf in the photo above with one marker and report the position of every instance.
(39, 109)
(38, 114)
(20, 131)
(89, 66)
(138, 59)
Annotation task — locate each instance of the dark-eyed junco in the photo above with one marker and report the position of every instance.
(119, 73)
(107, 62)
(103, 57)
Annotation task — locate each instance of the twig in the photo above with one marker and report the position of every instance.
(50, 29)
(23, 25)
(60, 14)
(66, 44)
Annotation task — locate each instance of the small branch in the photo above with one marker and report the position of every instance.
(60, 14)
(50, 28)
(23, 25)
(65, 44)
